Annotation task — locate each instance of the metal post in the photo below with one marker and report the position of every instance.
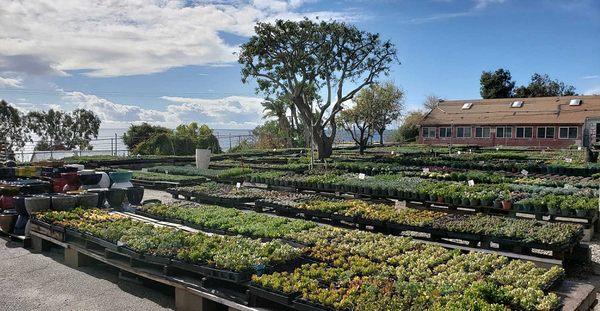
(111, 146)
(229, 140)
(116, 142)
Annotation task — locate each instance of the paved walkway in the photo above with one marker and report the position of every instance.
(30, 281)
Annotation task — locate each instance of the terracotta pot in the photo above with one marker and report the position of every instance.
(135, 195)
(7, 222)
(72, 180)
(64, 202)
(58, 184)
(506, 204)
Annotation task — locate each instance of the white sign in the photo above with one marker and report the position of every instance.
(568, 160)
(579, 148)
(393, 152)
(238, 185)
(167, 172)
(426, 170)
(470, 151)
(145, 170)
(458, 152)
(471, 183)
(525, 172)
(361, 176)
(481, 162)
(497, 148)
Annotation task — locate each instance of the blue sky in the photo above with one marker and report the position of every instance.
(171, 61)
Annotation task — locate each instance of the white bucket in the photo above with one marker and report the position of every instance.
(202, 158)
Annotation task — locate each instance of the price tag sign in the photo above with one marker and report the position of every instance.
(167, 172)
(470, 151)
(119, 243)
(568, 160)
(393, 152)
(458, 152)
(238, 185)
(145, 170)
(481, 162)
(497, 148)
(361, 176)
(525, 172)
(471, 183)
(579, 148)
(426, 170)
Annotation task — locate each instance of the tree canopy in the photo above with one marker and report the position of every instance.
(15, 134)
(313, 64)
(499, 84)
(157, 140)
(59, 130)
(409, 130)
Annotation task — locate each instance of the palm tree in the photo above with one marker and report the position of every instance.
(278, 109)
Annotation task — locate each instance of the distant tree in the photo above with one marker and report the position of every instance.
(298, 59)
(431, 102)
(542, 86)
(59, 130)
(385, 101)
(278, 109)
(409, 130)
(270, 135)
(201, 135)
(13, 127)
(141, 132)
(358, 121)
(498, 84)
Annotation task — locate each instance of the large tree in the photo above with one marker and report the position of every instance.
(278, 109)
(431, 102)
(299, 59)
(15, 133)
(542, 86)
(409, 130)
(386, 103)
(498, 84)
(141, 132)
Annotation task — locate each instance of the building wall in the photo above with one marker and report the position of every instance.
(533, 142)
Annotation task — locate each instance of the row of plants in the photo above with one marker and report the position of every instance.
(194, 171)
(366, 271)
(518, 230)
(561, 181)
(181, 179)
(229, 220)
(500, 196)
(220, 192)
(560, 205)
(232, 253)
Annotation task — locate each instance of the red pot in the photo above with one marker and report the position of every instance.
(506, 204)
(58, 184)
(440, 200)
(7, 202)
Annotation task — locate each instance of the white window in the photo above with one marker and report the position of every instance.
(575, 102)
(429, 132)
(445, 132)
(466, 106)
(463, 132)
(545, 132)
(567, 132)
(504, 132)
(516, 104)
(482, 132)
(524, 132)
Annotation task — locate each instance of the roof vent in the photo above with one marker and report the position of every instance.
(516, 104)
(575, 102)
(466, 106)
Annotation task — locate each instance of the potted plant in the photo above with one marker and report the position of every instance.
(567, 205)
(553, 204)
(581, 207)
(506, 199)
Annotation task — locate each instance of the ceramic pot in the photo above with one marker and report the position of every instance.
(72, 180)
(20, 205)
(64, 202)
(115, 197)
(104, 181)
(36, 204)
(120, 177)
(101, 192)
(88, 199)
(90, 179)
(58, 184)
(37, 187)
(135, 195)
(7, 222)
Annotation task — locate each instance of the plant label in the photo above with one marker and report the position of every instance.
(458, 152)
(579, 148)
(481, 162)
(497, 148)
(238, 185)
(471, 183)
(426, 170)
(167, 172)
(361, 176)
(145, 170)
(393, 152)
(119, 243)
(525, 172)
(568, 160)
(470, 151)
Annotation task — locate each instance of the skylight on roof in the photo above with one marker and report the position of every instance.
(516, 104)
(575, 102)
(466, 106)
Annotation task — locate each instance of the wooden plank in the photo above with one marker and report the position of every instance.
(577, 296)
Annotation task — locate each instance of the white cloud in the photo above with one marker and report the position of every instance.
(114, 38)
(14, 83)
(229, 112)
(590, 77)
(482, 4)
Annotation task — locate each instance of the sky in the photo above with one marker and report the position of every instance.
(172, 61)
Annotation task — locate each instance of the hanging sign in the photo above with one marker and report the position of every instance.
(361, 176)
(471, 183)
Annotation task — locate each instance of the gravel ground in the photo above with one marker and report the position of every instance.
(32, 281)
(163, 196)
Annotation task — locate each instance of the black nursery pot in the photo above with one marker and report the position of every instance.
(101, 196)
(135, 195)
(20, 205)
(90, 179)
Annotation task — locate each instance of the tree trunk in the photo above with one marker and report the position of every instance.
(380, 131)
(323, 142)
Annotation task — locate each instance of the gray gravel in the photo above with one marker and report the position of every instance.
(30, 281)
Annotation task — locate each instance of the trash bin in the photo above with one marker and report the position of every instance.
(202, 158)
